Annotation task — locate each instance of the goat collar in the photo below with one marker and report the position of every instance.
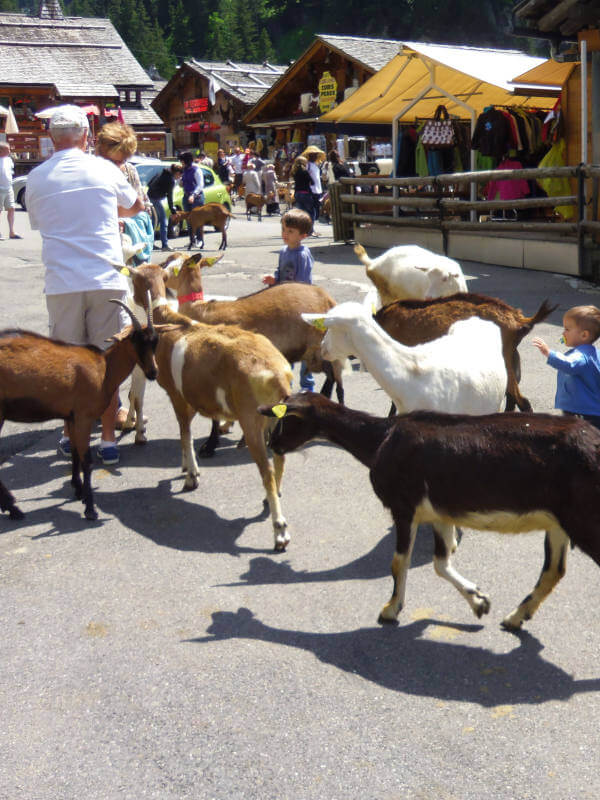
(190, 298)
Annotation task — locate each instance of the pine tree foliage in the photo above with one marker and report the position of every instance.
(164, 33)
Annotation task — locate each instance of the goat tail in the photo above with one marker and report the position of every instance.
(540, 315)
(362, 254)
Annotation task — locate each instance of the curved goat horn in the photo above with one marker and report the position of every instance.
(150, 319)
(134, 320)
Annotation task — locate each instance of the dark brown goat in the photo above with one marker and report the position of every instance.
(414, 322)
(510, 473)
(42, 379)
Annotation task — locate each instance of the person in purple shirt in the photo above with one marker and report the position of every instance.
(295, 264)
(578, 378)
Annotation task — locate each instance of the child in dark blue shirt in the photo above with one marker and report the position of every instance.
(578, 379)
(295, 264)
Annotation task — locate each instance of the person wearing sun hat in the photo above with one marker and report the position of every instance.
(75, 199)
(314, 156)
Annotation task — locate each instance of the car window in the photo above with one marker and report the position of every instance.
(147, 172)
(209, 177)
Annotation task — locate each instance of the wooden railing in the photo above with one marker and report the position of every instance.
(449, 203)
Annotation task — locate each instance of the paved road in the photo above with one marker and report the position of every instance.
(166, 652)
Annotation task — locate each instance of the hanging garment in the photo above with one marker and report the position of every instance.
(492, 134)
(557, 187)
(508, 189)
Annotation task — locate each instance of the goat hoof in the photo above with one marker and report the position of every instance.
(386, 620)
(389, 614)
(16, 513)
(282, 536)
(481, 603)
(91, 514)
(512, 622)
(190, 484)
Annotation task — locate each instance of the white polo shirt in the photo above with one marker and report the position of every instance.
(72, 200)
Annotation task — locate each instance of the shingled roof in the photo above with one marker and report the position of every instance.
(246, 82)
(82, 57)
(371, 53)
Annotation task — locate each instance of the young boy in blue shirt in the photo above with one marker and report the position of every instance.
(578, 379)
(295, 264)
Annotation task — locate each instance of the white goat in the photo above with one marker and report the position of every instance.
(410, 272)
(461, 372)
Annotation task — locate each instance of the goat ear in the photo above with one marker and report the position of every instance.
(209, 261)
(318, 321)
(279, 410)
(370, 301)
(168, 326)
(172, 268)
(124, 269)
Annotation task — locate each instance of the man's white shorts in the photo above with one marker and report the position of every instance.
(86, 317)
(7, 199)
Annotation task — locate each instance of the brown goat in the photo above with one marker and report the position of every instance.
(215, 214)
(221, 372)
(274, 312)
(256, 201)
(414, 322)
(510, 473)
(42, 379)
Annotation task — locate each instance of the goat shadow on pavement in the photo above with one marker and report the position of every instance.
(173, 520)
(374, 564)
(403, 659)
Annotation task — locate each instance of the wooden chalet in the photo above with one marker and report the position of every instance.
(203, 102)
(323, 76)
(48, 59)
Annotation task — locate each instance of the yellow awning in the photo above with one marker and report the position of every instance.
(550, 73)
(464, 79)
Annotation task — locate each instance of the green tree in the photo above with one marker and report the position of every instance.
(266, 51)
(223, 40)
(248, 33)
(180, 42)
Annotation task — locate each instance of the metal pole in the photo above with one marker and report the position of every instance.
(584, 103)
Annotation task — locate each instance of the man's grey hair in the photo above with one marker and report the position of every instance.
(68, 123)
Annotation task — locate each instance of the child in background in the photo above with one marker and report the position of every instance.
(578, 379)
(295, 264)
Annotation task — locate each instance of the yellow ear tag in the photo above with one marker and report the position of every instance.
(124, 271)
(176, 270)
(319, 324)
(373, 309)
(210, 261)
(279, 410)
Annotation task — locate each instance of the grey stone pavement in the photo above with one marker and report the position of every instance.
(166, 652)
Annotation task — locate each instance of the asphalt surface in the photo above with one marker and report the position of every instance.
(166, 652)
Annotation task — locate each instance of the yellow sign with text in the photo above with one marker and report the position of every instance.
(327, 92)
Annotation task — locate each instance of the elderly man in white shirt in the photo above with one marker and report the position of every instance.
(75, 199)
(7, 199)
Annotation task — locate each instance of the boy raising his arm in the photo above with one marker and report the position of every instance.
(578, 378)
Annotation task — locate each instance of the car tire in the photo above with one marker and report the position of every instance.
(21, 199)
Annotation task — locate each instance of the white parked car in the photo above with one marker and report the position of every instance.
(19, 190)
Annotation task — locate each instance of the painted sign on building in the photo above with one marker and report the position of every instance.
(196, 106)
(327, 92)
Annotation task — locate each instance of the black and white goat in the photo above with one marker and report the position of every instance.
(509, 473)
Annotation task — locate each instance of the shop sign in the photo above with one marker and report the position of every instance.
(327, 92)
(196, 106)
